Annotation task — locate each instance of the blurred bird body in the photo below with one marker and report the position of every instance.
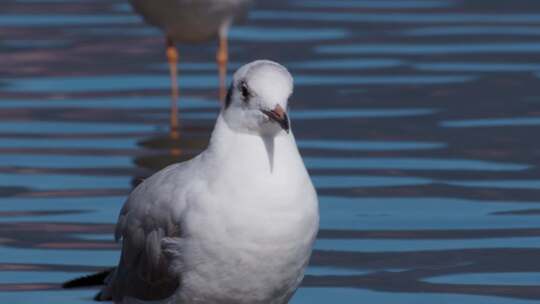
(191, 20)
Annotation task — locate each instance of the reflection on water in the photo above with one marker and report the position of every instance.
(492, 122)
(424, 245)
(391, 17)
(40, 127)
(477, 67)
(409, 164)
(351, 296)
(366, 145)
(24, 20)
(22, 277)
(420, 213)
(393, 4)
(431, 49)
(146, 102)
(474, 30)
(146, 82)
(504, 279)
(416, 119)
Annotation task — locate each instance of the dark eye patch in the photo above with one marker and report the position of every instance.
(244, 90)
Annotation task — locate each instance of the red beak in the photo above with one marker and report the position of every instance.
(280, 116)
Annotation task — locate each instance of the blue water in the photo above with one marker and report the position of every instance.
(384, 4)
(109, 103)
(23, 20)
(351, 296)
(100, 209)
(346, 64)
(420, 213)
(492, 122)
(59, 257)
(145, 82)
(424, 245)
(477, 67)
(58, 143)
(333, 113)
(431, 49)
(415, 118)
(504, 184)
(407, 18)
(58, 181)
(39, 127)
(345, 145)
(333, 182)
(36, 276)
(280, 34)
(410, 164)
(473, 30)
(63, 161)
(505, 279)
(287, 34)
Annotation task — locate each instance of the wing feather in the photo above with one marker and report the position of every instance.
(145, 224)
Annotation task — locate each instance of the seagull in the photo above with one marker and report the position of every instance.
(237, 223)
(192, 21)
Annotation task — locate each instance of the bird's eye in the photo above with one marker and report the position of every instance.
(244, 90)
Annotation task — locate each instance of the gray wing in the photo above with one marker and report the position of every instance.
(149, 231)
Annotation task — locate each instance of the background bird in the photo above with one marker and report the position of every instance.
(237, 223)
(192, 21)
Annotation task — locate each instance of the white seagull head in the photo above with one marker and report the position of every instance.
(257, 99)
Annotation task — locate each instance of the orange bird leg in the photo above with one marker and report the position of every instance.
(172, 57)
(222, 58)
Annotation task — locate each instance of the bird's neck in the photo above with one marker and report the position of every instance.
(268, 153)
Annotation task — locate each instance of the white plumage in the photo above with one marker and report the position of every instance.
(236, 224)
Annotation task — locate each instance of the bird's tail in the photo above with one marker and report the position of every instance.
(95, 279)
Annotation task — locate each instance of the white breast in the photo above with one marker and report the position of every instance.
(258, 229)
(247, 256)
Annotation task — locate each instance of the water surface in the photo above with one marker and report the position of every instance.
(416, 120)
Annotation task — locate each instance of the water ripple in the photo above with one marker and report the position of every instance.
(58, 181)
(64, 161)
(23, 20)
(476, 67)
(350, 145)
(432, 49)
(395, 17)
(36, 276)
(351, 296)
(421, 213)
(410, 164)
(471, 30)
(501, 184)
(424, 245)
(40, 127)
(380, 4)
(316, 114)
(340, 182)
(111, 83)
(489, 278)
(346, 64)
(280, 34)
(492, 122)
(145, 102)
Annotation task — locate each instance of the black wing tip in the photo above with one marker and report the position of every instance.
(100, 298)
(89, 280)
